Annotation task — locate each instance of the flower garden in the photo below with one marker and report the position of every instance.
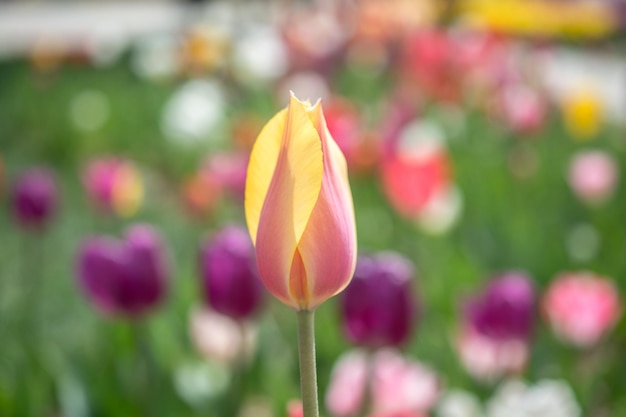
(485, 170)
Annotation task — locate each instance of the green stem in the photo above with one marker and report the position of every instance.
(146, 377)
(308, 372)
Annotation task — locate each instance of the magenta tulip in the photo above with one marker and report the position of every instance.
(35, 198)
(124, 277)
(230, 280)
(378, 307)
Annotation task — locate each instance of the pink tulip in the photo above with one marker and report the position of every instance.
(593, 176)
(581, 307)
(299, 208)
(396, 385)
(415, 170)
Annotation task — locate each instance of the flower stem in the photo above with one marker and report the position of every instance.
(308, 372)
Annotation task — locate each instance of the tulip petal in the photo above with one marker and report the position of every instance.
(261, 168)
(328, 245)
(290, 199)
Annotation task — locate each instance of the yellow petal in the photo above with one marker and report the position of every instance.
(261, 169)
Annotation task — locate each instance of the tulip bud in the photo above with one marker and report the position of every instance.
(34, 198)
(114, 185)
(506, 309)
(299, 208)
(124, 278)
(229, 275)
(378, 307)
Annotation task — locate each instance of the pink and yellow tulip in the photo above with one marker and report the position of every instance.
(299, 208)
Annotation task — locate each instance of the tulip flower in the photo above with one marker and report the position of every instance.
(582, 307)
(389, 384)
(506, 309)
(124, 278)
(34, 198)
(378, 307)
(299, 208)
(114, 185)
(497, 326)
(301, 219)
(229, 275)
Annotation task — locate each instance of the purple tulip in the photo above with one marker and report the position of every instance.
(124, 278)
(229, 274)
(505, 310)
(35, 198)
(378, 307)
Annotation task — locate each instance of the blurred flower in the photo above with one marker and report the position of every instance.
(396, 385)
(386, 21)
(203, 49)
(457, 403)
(294, 409)
(124, 277)
(546, 398)
(497, 327)
(428, 60)
(487, 359)
(114, 185)
(505, 310)
(581, 307)
(583, 114)
(441, 211)
(538, 17)
(221, 338)
(416, 177)
(378, 308)
(593, 176)
(194, 112)
(416, 167)
(299, 208)
(522, 108)
(584, 78)
(260, 56)
(230, 280)
(229, 171)
(201, 193)
(315, 37)
(47, 54)
(34, 198)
